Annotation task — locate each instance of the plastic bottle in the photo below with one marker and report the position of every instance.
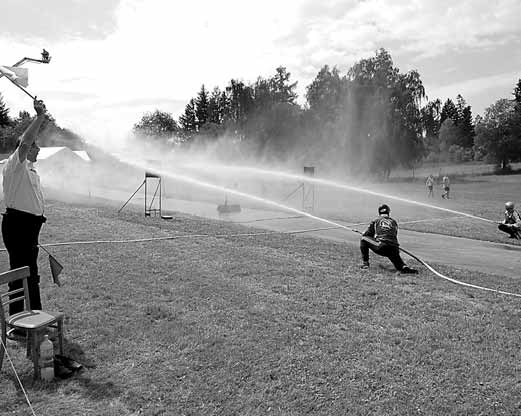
(46, 359)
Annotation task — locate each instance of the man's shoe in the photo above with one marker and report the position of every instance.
(60, 370)
(68, 362)
(408, 270)
(365, 265)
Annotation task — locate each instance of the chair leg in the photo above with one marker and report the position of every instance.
(60, 335)
(28, 343)
(35, 351)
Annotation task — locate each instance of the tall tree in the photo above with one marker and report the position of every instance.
(517, 93)
(282, 89)
(464, 123)
(215, 114)
(449, 110)
(496, 134)
(240, 103)
(466, 128)
(201, 107)
(158, 124)
(431, 118)
(386, 119)
(326, 94)
(517, 110)
(449, 135)
(263, 95)
(4, 113)
(188, 120)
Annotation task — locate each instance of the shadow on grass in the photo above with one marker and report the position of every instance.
(84, 384)
(79, 382)
(75, 351)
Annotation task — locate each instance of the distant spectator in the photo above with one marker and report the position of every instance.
(512, 222)
(446, 187)
(429, 183)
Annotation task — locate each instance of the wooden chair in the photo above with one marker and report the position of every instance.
(33, 322)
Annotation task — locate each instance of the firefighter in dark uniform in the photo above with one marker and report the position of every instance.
(512, 222)
(381, 237)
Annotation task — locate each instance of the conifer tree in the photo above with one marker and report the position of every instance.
(188, 120)
(4, 113)
(201, 107)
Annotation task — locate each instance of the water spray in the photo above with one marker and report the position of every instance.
(336, 185)
(235, 192)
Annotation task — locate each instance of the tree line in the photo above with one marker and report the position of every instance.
(371, 119)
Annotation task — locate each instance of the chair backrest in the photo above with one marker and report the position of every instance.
(21, 294)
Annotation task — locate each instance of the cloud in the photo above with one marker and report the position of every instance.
(344, 30)
(163, 104)
(66, 95)
(497, 85)
(57, 19)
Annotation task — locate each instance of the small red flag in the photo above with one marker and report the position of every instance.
(56, 269)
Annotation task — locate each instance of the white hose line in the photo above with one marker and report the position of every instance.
(333, 184)
(336, 226)
(194, 181)
(457, 281)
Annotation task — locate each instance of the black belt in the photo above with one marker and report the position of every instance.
(15, 213)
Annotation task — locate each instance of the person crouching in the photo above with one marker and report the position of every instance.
(512, 222)
(381, 237)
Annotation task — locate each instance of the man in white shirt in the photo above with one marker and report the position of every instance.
(24, 202)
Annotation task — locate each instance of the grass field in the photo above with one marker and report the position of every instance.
(481, 196)
(255, 325)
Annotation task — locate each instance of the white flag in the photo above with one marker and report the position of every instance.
(15, 74)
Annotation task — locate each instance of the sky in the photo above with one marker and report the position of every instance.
(114, 60)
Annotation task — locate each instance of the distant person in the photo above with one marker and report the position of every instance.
(382, 237)
(446, 187)
(429, 183)
(23, 217)
(45, 56)
(512, 222)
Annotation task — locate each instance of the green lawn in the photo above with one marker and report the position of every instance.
(272, 324)
(481, 196)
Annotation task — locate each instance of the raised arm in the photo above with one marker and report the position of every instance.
(30, 134)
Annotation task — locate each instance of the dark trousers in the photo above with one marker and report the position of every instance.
(509, 229)
(20, 231)
(382, 249)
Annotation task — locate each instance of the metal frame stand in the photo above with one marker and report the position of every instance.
(149, 208)
(308, 190)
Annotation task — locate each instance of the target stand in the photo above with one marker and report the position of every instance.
(308, 191)
(153, 205)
